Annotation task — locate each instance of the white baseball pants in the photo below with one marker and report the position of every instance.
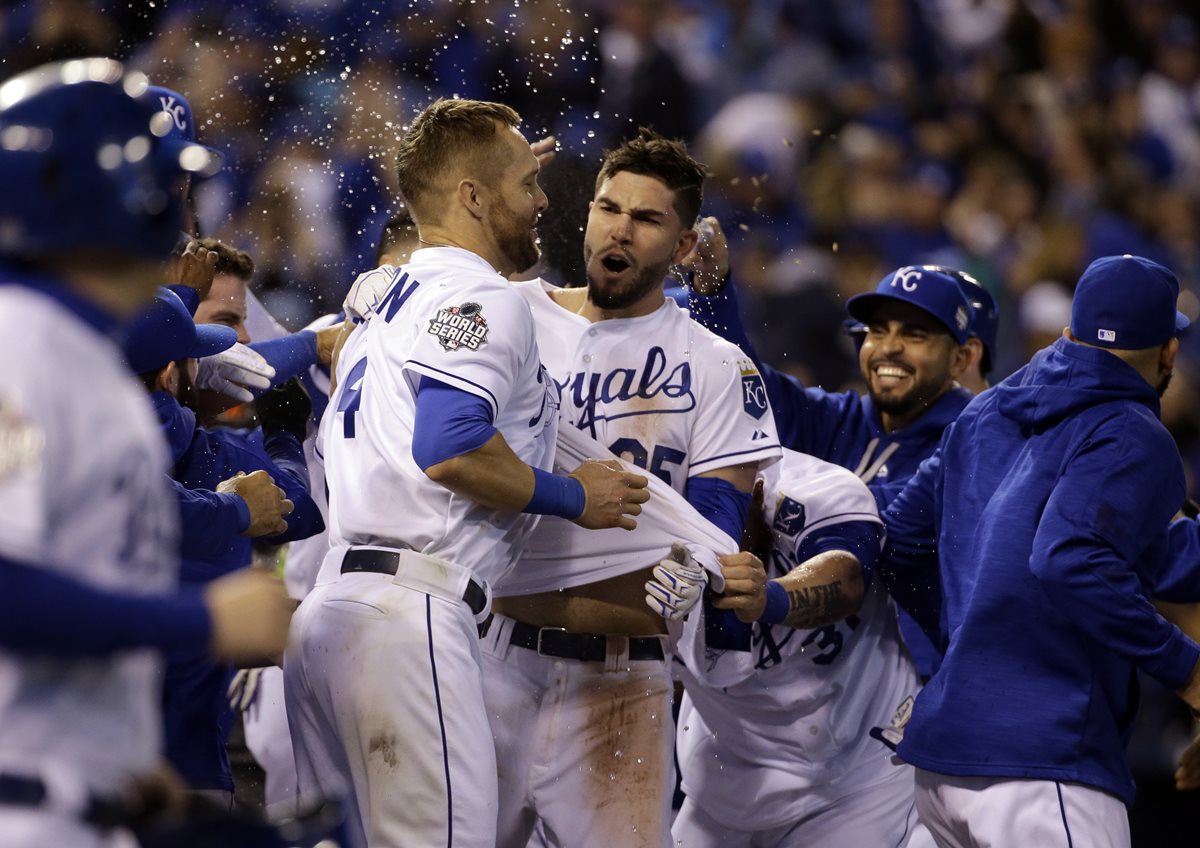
(985, 812)
(878, 814)
(385, 704)
(584, 746)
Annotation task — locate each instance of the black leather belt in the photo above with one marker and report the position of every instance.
(101, 813)
(387, 562)
(588, 647)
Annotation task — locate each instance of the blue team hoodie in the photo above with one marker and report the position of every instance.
(1048, 503)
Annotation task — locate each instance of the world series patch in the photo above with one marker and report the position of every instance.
(460, 327)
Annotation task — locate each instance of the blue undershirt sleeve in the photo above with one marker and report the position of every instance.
(720, 502)
(289, 355)
(47, 614)
(189, 296)
(724, 505)
(861, 538)
(449, 422)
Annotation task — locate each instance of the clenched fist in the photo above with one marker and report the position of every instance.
(611, 494)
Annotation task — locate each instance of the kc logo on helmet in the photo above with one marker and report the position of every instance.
(906, 278)
(459, 327)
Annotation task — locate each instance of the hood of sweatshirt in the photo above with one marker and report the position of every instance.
(1065, 378)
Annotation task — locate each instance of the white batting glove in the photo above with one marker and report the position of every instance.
(366, 292)
(677, 585)
(244, 688)
(234, 372)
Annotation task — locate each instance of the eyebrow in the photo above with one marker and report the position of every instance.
(643, 211)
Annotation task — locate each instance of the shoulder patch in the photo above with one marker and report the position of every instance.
(789, 517)
(21, 442)
(754, 390)
(458, 327)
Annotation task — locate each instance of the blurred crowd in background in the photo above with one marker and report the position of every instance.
(1014, 139)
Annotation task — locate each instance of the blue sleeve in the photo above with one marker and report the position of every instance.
(720, 502)
(1179, 581)
(209, 520)
(861, 538)
(189, 296)
(908, 566)
(1090, 543)
(286, 454)
(448, 423)
(808, 419)
(217, 455)
(47, 614)
(288, 355)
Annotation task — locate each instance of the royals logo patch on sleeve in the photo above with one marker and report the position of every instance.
(789, 517)
(754, 391)
(458, 327)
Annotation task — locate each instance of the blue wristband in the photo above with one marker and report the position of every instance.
(778, 605)
(554, 495)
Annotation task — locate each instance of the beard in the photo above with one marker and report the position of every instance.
(620, 295)
(1163, 383)
(515, 238)
(919, 395)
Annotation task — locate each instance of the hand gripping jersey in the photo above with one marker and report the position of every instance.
(794, 712)
(83, 492)
(447, 315)
(659, 391)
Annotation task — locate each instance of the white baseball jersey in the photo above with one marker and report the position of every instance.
(794, 712)
(659, 391)
(83, 493)
(449, 316)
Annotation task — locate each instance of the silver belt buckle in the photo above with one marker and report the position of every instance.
(542, 630)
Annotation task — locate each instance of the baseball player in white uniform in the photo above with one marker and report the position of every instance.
(88, 525)
(575, 670)
(774, 743)
(439, 436)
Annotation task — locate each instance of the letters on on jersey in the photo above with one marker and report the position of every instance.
(652, 388)
(460, 327)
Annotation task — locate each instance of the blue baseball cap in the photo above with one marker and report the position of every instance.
(173, 122)
(1126, 302)
(929, 288)
(163, 331)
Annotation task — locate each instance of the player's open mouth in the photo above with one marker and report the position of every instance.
(891, 375)
(615, 263)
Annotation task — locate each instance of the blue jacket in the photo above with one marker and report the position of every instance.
(196, 715)
(845, 429)
(1046, 508)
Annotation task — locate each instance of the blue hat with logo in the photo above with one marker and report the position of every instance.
(929, 288)
(174, 123)
(164, 332)
(1126, 302)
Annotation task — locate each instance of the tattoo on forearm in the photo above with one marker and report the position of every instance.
(816, 606)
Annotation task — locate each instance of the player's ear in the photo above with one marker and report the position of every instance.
(960, 358)
(168, 380)
(470, 196)
(686, 244)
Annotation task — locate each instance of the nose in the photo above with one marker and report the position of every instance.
(541, 201)
(892, 342)
(622, 228)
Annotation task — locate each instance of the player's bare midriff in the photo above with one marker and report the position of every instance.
(615, 605)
